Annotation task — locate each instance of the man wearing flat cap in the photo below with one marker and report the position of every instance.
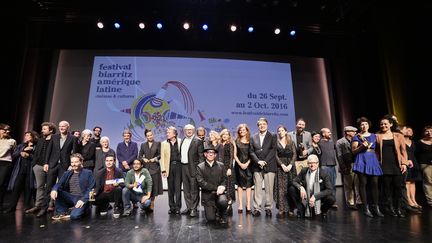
(211, 177)
(346, 159)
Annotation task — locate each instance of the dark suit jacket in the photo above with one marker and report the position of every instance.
(195, 154)
(150, 153)
(267, 152)
(100, 179)
(55, 153)
(325, 183)
(86, 182)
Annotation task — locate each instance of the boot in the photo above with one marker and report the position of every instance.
(399, 213)
(391, 211)
(377, 211)
(367, 212)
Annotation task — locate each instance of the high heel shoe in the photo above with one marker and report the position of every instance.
(248, 211)
(240, 210)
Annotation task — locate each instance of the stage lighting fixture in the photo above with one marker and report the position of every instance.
(277, 31)
(117, 25)
(292, 32)
(100, 25)
(159, 26)
(233, 28)
(141, 25)
(250, 29)
(186, 26)
(205, 27)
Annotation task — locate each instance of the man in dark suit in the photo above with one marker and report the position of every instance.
(262, 150)
(191, 152)
(58, 161)
(312, 190)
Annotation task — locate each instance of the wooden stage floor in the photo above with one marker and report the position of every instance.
(342, 225)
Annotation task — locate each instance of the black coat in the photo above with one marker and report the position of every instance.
(267, 152)
(325, 182)
(195, 154)
(55, 153)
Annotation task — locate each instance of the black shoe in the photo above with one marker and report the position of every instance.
(324, 216)
(223, 220)
(256, 213)
(171, 211)
(41, 213)
(193, 213)
(177, 212)
(352, 206)
(229, 209)
(32, 210)
(377, 211)
(248, 211)
(412, 209)
(367, 212)
(117, 212)
(391, 211)
(400, 214)
(300, 214)
(186, 211)
(268, 212)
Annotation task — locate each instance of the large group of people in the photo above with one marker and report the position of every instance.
(294, 171)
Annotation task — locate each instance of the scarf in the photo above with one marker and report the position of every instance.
(316, 189)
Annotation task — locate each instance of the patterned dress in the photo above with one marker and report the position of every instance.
(228, 158)
(287, 156)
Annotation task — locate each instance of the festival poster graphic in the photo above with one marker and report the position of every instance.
(157, 92)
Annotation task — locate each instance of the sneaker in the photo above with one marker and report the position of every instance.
(117, 212)
(103, 213)
(60, 216)
(127, 212)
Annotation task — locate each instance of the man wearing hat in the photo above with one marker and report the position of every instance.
(345, 160)
(211, 177)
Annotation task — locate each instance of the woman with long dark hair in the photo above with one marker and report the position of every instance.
(366, 165)
(22, 179)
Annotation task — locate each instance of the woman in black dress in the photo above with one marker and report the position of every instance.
(285, 158)
(413, 172)
(150, 153)
(228, 159)
(243, 174)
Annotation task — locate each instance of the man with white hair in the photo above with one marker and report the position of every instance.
(59, 151)
(312, 190)
(191, 153)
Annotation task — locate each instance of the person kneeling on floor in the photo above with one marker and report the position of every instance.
(72, 190)
(211, 177)
(312, 190)
(138, 188)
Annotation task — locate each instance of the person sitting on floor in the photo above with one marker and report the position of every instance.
(109, 184)
(312, 190)
(72, 190)
(138, 188)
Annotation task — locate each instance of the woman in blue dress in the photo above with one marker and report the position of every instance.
(366, 165)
